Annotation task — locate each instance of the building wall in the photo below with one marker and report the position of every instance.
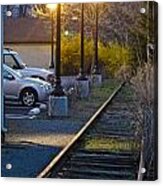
(39, 55)
(35, 55)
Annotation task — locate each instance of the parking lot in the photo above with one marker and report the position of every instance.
(16, 108)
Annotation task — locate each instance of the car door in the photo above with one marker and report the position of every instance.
(9, 85)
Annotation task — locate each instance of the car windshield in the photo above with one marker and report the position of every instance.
(20, 61)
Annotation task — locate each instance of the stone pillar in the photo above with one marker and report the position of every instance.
(96, 79)
(83, 88)
(58, 106)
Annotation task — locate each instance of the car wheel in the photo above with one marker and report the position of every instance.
(29, 97)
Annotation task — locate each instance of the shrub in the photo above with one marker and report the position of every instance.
(143, 85)
(70, 50)
(111, 56)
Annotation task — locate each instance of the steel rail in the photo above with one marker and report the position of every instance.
(54, 166)
(141, 163)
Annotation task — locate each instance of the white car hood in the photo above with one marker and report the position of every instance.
(32, 71)
(35, 81)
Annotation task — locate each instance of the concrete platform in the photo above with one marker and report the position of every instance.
(58, 106)
(96, 79)
(83, 88)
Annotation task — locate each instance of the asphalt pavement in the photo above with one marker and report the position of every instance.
(14, 107)
(25, 159)
(31, 143)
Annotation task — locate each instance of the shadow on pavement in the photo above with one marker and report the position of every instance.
(26, 158)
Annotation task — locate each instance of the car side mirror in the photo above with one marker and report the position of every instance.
(15, 67)
(23, 64)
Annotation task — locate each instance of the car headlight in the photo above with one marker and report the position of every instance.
(46, 87)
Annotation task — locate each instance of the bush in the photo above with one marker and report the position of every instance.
(70, 50)
(124, 73)
(111, 56)
(144, 113)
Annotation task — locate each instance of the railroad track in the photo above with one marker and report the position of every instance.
(105, 148)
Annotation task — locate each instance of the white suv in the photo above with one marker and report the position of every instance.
(14, 61)
(25, 89)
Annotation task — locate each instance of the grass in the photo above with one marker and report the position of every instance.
(84, 108)
(111, 144)
(128, 93)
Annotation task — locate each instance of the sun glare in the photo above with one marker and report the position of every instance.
(51, 6)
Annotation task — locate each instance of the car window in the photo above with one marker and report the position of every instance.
(10, 61)
(19, 60)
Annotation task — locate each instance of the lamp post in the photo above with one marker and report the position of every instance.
(52, 7)
(66, 33)
(81, 75)
(82, 85)
(58, 102)
(96, 65)
(58, 88)
(52, 42)
(58, 91)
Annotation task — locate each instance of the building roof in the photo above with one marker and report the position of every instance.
(26, 30)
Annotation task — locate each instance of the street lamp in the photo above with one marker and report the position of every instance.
(58, 88)
(81, 75)
(74, 18)
(66, 33)
(96, 65)
(52, 8)
(58, 91)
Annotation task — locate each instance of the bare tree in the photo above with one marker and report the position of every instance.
(143, 87)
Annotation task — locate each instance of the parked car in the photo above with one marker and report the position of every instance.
(14, 61)
(27, 90)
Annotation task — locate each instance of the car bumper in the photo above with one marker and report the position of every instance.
(44, 96)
